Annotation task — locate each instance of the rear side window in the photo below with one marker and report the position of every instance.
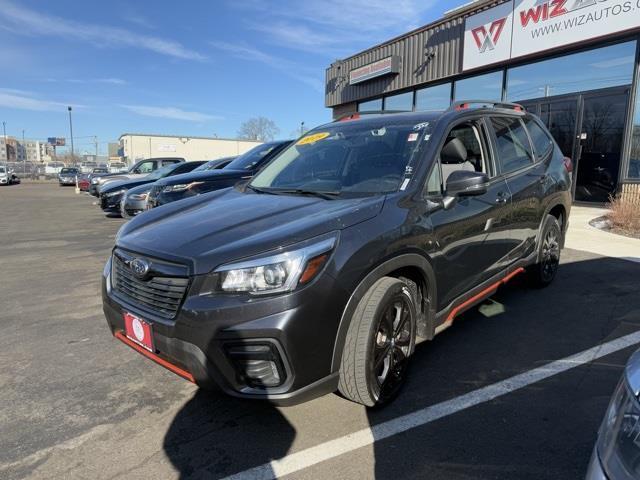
(542, 142)
(513, 146)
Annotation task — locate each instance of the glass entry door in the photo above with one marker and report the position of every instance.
(599, 147)
(589, 128)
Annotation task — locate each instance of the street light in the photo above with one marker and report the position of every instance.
(73, 157)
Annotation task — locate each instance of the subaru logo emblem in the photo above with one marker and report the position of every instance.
(139, 267)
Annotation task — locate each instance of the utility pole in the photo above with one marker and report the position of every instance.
(73, 156)
(6, 145)
(95, 140)
(301, 128)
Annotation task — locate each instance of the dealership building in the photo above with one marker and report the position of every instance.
(575, 63)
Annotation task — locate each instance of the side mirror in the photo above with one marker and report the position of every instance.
(463, 183)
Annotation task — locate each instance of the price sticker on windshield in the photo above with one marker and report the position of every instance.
(311, 139)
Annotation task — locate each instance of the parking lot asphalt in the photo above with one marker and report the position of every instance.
(76, 403)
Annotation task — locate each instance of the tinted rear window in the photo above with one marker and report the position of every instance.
(542, 142)
(514, 148)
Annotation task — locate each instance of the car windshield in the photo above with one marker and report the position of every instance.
(3, 170)
(69, 170)
(162, 172)
(248, 160)
(355, 157)
(210, 165)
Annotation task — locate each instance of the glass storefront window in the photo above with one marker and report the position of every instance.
(402, 102)
(481, 87)
(634, 157)
(370, 106)
(434, 98)
(599, 68)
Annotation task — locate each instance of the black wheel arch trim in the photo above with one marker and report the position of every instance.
(412, 260)
(558, 199)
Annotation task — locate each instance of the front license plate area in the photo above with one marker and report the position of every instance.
(138, 331)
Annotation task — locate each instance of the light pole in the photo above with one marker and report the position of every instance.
(73, 156)
(6, 146)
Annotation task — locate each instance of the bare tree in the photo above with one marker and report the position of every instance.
(258, 128)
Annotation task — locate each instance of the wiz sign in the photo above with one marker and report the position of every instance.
(487, 37)
(537, 25)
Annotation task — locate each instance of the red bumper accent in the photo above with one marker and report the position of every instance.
(152, 356)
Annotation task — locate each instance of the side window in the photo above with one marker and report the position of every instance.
(463, 150)
(513, 146)
(146, 167)
(542, 142)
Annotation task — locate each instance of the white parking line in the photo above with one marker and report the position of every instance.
(325, 451)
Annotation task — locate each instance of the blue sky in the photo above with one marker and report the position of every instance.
(185, 68)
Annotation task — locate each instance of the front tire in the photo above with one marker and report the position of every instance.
(379, 344)
(544, 271)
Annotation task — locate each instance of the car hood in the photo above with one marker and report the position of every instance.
(102, 179)
(144, 188)
(124, 184)
(204, 176)
(222, 226)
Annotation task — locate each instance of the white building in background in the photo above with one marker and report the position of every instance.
(138, 146)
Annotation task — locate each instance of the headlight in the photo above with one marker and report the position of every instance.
(139, 196)
(619, 439)
(180, 187)
(95, 181)
(277, 273)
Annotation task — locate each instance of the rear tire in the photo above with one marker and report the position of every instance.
(544, 271)
(379, 344)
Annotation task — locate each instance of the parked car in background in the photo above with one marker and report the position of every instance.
(321, 272)
(117, 167)
(243, 167)
(52, 169)
(5, 175)
(67, 176)
(137, 170)
(87, 167)
(134, 201)
(111, 193)
(616, 455)
(84, 182)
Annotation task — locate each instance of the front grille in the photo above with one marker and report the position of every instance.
(159, 295)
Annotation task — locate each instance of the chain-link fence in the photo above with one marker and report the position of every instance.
(34, 171)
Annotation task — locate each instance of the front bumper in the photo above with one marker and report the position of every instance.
(300, 328)
(67, 181)
(110, 204)
(4, 181)
(131, 208)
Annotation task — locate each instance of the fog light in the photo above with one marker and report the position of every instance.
(257, 365)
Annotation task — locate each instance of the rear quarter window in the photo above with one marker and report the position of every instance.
(542, 141)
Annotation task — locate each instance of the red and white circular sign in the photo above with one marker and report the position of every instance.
(138, 330)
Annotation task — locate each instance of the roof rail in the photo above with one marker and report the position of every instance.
(466, 104)
(357, 115)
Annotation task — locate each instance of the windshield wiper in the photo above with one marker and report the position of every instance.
(260, 190)
(313, 193)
